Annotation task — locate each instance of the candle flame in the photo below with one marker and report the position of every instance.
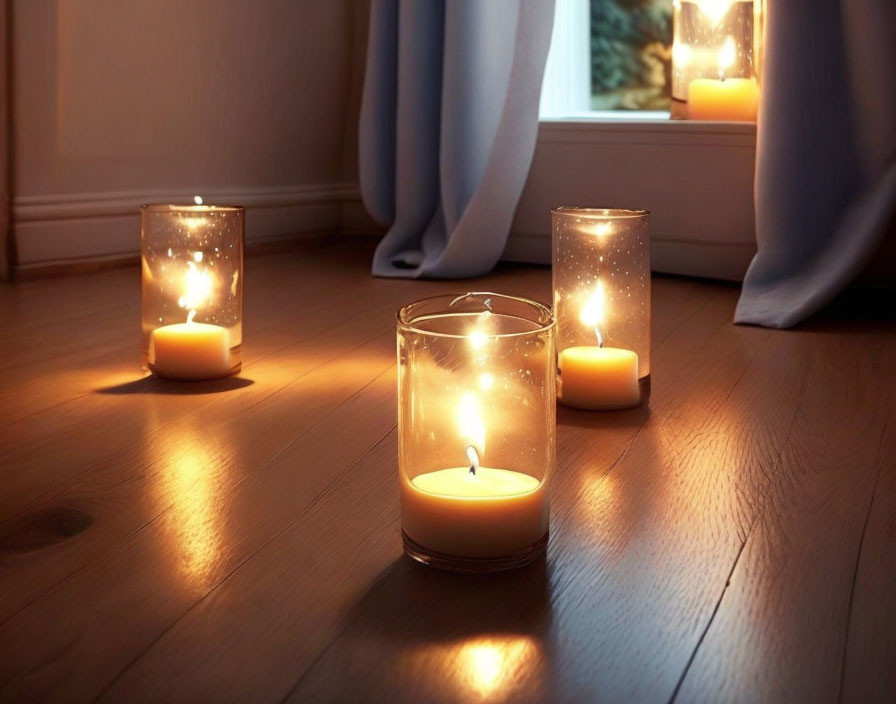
(469, 422)
(727, 56)
(715, 10)
(198, 288)
(593, 313)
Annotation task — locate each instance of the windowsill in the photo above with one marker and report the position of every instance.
(646, 122)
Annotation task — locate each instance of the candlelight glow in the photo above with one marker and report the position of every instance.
(197, 288)
(479, 335)
(477, 340)
(727, 55)
(494, 664)
(601, 229)
(681, 54)
(715, 10)
(197, 200)
(469, 422)
(191, 485)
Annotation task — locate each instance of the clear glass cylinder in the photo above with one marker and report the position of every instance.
(601, 281)
(476, 428)
(192, 284)
(716, 59)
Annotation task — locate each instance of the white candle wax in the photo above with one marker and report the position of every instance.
(493, 513)
(598, 378)
(190, 351)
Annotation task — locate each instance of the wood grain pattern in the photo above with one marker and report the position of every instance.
(239, 540)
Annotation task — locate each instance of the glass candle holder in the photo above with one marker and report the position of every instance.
(192, 282)
(601, 280)
(716, 55)
(476, 427)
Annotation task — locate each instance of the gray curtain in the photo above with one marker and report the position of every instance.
(826, 155)
(449, 118)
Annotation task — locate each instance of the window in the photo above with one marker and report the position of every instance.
(609, 55)
(631, 54)
(617, 147)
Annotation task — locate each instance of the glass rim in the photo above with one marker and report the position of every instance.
(545, 320)
(600, 213)
(189, 208)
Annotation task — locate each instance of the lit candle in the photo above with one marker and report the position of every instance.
(594, 377)
(191, 350)
(733, 99)
(473, 510)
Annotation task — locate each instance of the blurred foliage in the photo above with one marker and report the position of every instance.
(631, 55)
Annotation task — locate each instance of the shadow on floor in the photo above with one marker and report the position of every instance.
(440, 636)
(154, 385)
(632, 417)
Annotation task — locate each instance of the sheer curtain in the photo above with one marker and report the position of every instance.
(826, 154)
(449, 119)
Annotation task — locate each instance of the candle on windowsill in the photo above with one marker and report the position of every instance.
(716, 59)
(725, 98)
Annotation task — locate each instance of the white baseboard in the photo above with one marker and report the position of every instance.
(88, 227)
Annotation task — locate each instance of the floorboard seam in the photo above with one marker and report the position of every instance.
(712, 617)
(855, 573)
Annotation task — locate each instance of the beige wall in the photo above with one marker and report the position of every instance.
(117, 102)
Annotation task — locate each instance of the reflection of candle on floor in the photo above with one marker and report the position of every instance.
(190, 350)
(474, 511)
(726, 98)
(594, 377)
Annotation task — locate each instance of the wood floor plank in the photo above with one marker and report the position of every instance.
(869, 674)
(780, 629)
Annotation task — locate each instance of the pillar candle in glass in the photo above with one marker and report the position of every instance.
(192, 275)
(716, 54)
(601, 279)
(476, 426)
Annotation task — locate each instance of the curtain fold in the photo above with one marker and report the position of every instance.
(826, 154)
(449, 119)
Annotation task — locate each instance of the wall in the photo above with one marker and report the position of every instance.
(119, 102)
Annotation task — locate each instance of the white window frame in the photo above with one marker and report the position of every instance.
(695, 177)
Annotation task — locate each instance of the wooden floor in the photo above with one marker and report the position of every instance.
(239, 540)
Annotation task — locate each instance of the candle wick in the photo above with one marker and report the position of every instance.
(190, 316)
(600, 338)
(473, 457)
